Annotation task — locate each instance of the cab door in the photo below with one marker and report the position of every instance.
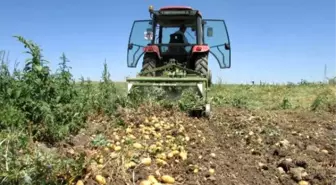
(141, 35)
(217, 38)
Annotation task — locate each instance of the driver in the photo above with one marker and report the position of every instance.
(181, 31)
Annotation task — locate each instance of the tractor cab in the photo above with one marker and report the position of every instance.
(178, 33)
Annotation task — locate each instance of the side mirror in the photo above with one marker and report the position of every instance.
(210, 32)
(227, 46)
(130, 46)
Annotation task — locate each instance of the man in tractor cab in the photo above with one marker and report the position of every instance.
(181, 32)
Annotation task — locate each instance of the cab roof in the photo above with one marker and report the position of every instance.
(176, 8)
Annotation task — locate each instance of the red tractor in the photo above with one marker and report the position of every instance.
(174, 46)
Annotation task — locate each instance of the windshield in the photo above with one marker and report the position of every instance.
(166, 32)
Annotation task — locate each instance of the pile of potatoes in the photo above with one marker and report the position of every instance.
(154, 143)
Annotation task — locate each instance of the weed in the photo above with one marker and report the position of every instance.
(286, 104)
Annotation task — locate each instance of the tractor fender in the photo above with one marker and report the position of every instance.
(152, 49)
(200, 49)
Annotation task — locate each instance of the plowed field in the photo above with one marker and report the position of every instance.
(235, 146)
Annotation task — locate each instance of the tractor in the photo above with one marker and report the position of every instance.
(174, 46)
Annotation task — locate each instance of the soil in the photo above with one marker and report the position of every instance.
(243, 147)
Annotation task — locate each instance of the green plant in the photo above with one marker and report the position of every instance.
(285, 104)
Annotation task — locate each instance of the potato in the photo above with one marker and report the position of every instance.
(168, 179)
(145, 182)
(146, 137)
(183, 155)
(100, 179)
(117, 148)
(106, 149)
(116, 137)
(303, 183)
(152, 179)
(80, 182)
(146, 161)
(131, 136)
(130, 164)
(157, 125)
(157, 183)
(137, 145)
(128, 130)
(161, 162)
(175, 152)
(161, 156)
(170, 155)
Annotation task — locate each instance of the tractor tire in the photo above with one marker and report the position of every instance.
(201, 64)
(149, 63)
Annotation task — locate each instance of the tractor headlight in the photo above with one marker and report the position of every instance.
(151, 8)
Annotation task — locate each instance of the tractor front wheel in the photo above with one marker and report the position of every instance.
(149, 63)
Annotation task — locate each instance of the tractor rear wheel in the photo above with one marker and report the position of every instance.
(201, 65)
(149, 63)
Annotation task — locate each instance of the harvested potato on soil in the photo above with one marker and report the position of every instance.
(168, 179)
(152, 179)
(80, 182)
(145, 182)
(146, 161)
(100, 179)
(211, 171)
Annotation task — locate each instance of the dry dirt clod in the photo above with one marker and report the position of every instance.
(113, 155)
(212, 178)
(284, 143)
(263, 166)
(301, 163)
(312, 148)
(281, 170)
(296, 173)
(286, 164)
